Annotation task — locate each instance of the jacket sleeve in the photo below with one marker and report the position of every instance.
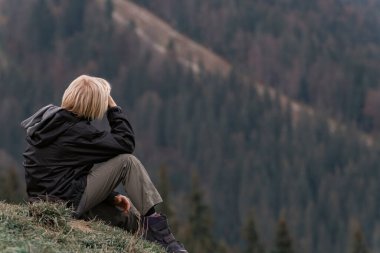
(121, 129)
(87, 144)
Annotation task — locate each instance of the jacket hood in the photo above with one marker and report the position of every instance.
(43, 127)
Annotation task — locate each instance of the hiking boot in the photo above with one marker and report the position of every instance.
(157, 230)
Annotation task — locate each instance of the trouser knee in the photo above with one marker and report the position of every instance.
(128, 158)
(130, 161)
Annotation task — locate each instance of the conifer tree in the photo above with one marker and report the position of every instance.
(251, 237)
(165, 207)
(303, 92)
(42, 27)
(73, 17)
(358, 244)
(109, 10)
(198, 235)
(110, 57)
(164, 188)
(283, 243)
(10, 186)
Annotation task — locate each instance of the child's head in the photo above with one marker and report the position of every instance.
(87, 97)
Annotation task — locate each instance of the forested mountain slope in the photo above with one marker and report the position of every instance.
(324, 53)
(165, 41)
(242, 142)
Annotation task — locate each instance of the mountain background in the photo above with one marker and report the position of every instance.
(254, 117)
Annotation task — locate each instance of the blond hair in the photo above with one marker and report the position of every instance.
(87, 97)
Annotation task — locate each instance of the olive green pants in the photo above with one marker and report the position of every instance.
(105, 177)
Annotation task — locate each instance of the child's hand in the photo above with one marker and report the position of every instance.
(123, 203)
(111, 102)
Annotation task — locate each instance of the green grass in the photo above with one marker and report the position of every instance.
(47, 228)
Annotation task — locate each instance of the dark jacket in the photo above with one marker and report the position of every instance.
(62, 148)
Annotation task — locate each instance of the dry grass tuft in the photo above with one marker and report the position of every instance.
(49, 228)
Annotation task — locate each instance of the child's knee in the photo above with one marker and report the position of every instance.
(128, 159)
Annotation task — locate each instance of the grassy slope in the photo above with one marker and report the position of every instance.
(49, 228)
